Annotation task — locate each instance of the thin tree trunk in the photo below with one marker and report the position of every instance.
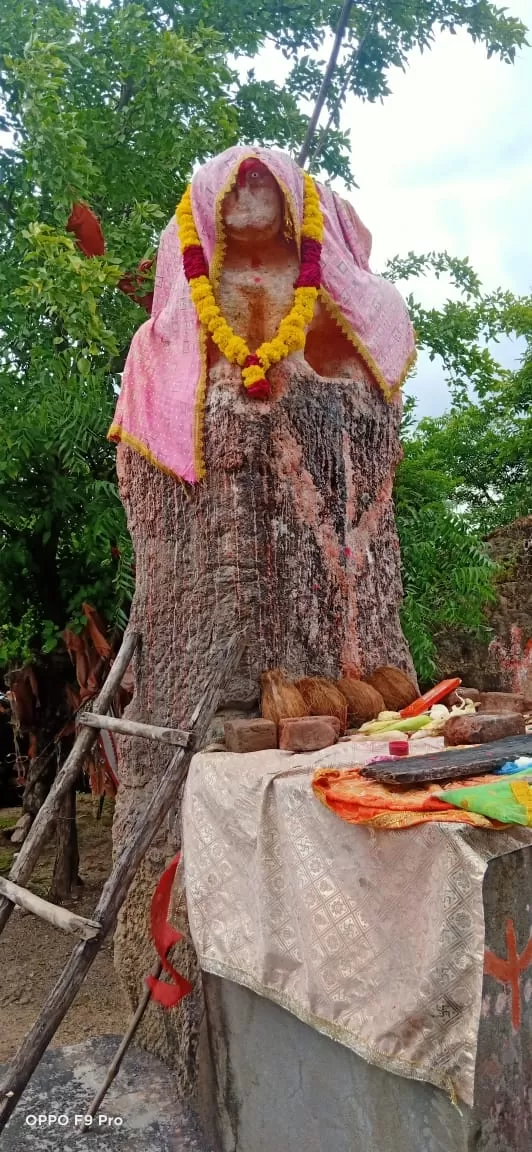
(40, 776)
(65, 876)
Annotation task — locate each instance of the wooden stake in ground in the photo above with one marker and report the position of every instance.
(117, 885)
(65, 874)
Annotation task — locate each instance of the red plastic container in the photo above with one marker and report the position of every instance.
(398, 747)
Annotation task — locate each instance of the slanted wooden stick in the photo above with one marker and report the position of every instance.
(123, 1046)
(322, 94)
(125, 1042)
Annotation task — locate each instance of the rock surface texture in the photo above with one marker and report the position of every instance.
(291, 534)
(308, 733)
(250, 735)
(140, 1111)
(495, 702)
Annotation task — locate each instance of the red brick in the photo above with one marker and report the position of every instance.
(497, 702)
(250, 735)
(308, 733)
(483, 729)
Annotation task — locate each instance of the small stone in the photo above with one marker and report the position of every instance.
(21, 829)
(250, 735)
(308, 733)
(475, 729)
(459, 695)
(497, 702)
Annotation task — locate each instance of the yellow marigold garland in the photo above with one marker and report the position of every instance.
(291, 332)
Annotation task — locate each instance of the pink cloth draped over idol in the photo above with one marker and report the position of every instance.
(157, 407)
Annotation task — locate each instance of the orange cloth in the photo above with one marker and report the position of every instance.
(360, 801)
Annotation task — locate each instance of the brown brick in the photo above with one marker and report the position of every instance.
(477, 729)
(250, 735)
(497, 702)
(308, 733)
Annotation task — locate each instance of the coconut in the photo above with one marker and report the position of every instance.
(396, 689)
(323, 698)
(363, 701)
(280, 699)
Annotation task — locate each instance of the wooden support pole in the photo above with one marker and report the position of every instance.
(315, 154)
(313, 122)
(65, 779)
(59, 917)
(116, 887)
(173, 736)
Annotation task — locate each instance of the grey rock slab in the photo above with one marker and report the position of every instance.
(141, 1112)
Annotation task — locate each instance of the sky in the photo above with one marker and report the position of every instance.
(445, 162)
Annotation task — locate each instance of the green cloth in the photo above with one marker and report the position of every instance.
(507, 799)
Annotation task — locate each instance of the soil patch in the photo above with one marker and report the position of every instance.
(33, 953)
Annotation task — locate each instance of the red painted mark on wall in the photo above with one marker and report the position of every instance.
(508, 971)
(514, 658)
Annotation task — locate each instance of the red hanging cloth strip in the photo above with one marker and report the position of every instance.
(132, 286)
(164, 936)
(87, 230)
(90, 239)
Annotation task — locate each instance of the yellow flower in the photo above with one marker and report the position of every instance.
(252, 374)
(312, 226)
(233, 348)
(291, 333)
(209, 312)
(185, 221)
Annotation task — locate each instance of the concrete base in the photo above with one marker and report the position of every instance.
(140, 1113)
(271, 1083)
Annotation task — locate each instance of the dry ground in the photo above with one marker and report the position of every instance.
(33, 953)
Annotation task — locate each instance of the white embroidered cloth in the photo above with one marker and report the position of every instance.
(374, 938)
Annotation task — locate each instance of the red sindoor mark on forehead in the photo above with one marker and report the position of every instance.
(248, 166)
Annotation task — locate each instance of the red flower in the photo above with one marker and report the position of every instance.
(194, 262)
(260, 390)
(310, 270)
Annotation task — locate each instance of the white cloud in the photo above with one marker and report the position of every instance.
(446, 163)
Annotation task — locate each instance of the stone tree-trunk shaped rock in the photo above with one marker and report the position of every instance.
(290, 531)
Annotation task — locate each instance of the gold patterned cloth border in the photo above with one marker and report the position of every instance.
(374, 938)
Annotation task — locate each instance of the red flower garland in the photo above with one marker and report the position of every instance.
(310, 268)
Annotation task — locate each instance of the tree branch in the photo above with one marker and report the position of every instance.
(127, 91)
